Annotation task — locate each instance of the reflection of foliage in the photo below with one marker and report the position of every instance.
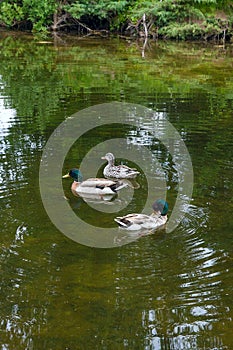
(35, 67)
(51, 78)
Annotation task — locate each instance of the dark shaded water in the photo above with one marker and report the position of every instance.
(163, 291)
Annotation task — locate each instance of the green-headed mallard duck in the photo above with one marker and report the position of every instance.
(118, 171)
(135, 222)
(93, 186)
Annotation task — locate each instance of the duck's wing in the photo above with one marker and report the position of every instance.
(135, 216)
(126, 169)
(103, 184)
(131, 219)
(97, 182)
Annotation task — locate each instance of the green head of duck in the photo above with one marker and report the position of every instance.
(160, 205)
(75, 174)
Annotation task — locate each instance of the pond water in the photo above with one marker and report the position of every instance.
(167, 290)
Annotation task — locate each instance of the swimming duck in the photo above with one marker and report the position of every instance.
(118, 171)
(98, 186)
(135, 222)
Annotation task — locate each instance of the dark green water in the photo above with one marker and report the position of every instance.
(164, 291)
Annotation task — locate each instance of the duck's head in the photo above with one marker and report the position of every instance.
(109, 157)
(160, 205)
(75, 174)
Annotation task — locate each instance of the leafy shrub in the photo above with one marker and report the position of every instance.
(10, 14)
(183, 19)
(190, 31)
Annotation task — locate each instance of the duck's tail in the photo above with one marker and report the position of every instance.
(121, 222)
(117, 186)
(132, 174)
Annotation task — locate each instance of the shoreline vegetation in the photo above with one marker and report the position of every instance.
(207, 20)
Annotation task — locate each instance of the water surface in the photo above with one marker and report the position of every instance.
(162, 291)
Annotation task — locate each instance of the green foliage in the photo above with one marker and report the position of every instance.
(193, 19)
(190, 31)
(39, 12)
(102, 10)
(77, 10)
(169, 18)
(205, 1)
(10, 13)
